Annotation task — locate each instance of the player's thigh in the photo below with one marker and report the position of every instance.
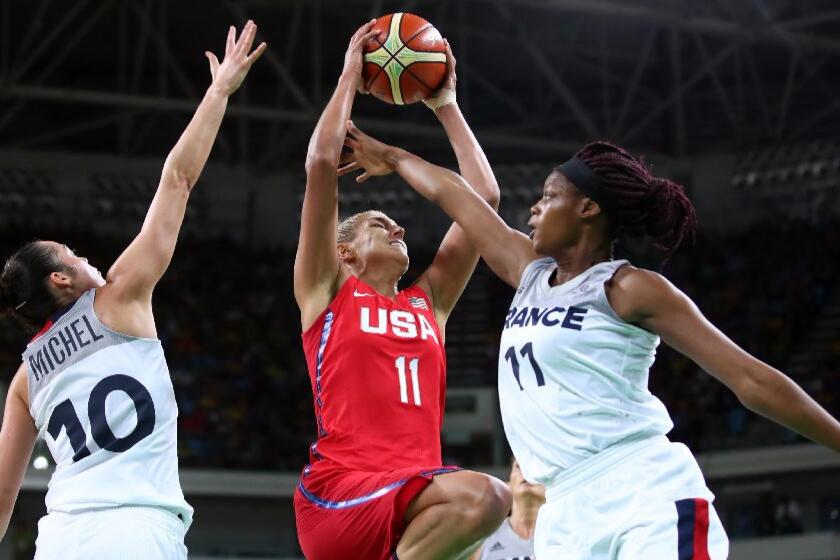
(467, 489)
(557, 534)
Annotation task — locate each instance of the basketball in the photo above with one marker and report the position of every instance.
(406, 61)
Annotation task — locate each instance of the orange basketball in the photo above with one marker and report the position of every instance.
(406, 61)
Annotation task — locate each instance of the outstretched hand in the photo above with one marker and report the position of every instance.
(228, 75)
(369, 154)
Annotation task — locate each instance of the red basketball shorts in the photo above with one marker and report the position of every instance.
(353, 515)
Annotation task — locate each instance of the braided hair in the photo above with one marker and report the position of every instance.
(634, 198)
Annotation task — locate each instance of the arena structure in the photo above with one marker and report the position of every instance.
(735, 100)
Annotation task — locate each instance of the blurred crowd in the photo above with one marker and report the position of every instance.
(765, 288)
(230, 327)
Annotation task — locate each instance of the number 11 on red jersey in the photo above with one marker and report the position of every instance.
(413, 366)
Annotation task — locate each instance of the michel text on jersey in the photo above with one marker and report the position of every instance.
(61, 345)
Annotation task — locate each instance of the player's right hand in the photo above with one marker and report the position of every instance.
(228, 76)
(451, 78)
(353, 57)
(368, 153)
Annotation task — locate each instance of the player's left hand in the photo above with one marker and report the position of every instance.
(444, 95)
(367, 153)
(228, 75)
(353, 58)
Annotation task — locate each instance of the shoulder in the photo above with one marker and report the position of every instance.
(19, 387)
(313, 312)
(635, 293)
(535, 267)
(634, 279)
(131, 317)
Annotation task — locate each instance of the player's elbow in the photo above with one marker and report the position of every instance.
(754, 387)
(317, 162)
(177, 178)
(493, 197)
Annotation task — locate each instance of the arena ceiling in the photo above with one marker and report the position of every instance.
(537, 78)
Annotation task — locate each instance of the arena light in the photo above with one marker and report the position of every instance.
(789, 167)
(40, 463)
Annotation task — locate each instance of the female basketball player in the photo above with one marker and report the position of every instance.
(94, 381)
(577, 344)
(375, 488)
(515, 536)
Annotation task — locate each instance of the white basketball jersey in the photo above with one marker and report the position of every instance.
(104, 403)
(573, 376)
(505, 544)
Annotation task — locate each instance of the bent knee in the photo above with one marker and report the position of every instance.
(486, 503)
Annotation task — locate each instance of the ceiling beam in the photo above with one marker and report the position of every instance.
(273, 60)
(151, 103)
(550, 73)
(625, 10)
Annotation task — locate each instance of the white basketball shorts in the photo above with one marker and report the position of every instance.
(652, 504)
(119, 533)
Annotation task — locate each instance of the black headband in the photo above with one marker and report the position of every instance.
(584, 179)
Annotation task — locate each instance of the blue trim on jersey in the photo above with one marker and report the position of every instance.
(686, 514)
(325, 335)
(61, 312)
(327, 504)
(314, 450)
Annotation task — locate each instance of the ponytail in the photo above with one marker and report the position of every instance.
(24, 292)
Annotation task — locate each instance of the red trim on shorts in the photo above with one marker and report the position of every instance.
(701, 529)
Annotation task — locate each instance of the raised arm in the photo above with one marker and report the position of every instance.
(456, 258)
(649, 300)
(316, 277)
(136, 272)
(17, 438)
(506, 250)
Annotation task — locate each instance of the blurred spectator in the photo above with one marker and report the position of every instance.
(787, 516)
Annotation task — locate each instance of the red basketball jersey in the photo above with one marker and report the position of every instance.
(378, 372)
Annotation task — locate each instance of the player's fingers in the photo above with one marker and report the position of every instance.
(366, 27)
(214, 63)
(450, 58)
(363, 177)
(351, 143)
(344, 170)
(247, 37)
(361, 31)
(231, 40)
(346, 157)
(354, 130)
(369, 35)
(258, 52)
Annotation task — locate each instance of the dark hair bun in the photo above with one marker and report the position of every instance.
(671, 216)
